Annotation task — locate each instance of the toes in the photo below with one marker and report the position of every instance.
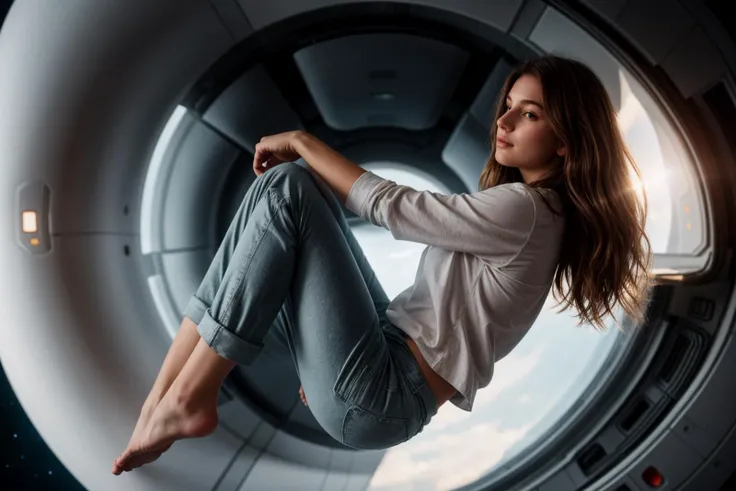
(123, 461)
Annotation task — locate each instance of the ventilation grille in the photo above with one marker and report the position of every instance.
(677, 364)
(701, 309)
(590, 457)
(682, 362)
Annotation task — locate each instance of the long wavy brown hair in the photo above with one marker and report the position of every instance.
(606, 255)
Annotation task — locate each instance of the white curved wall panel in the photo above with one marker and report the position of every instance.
(126, 74)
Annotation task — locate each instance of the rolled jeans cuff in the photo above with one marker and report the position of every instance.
(225, 343)
(195, 309)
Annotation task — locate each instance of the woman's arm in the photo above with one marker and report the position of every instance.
(338, 172)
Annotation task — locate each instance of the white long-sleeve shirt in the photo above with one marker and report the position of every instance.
(483, 278)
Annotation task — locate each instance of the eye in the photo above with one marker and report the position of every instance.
(533, 116)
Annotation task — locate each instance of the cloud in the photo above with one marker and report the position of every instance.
(447, 456)
(508, 373)
(455, 459)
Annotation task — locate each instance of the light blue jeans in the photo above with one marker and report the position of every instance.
(290, 262)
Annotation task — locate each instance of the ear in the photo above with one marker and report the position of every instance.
(561, 151)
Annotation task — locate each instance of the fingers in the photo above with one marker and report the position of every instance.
(303, 396)
(273, 150)
(261, 162)
(260, 159)
(266, 157)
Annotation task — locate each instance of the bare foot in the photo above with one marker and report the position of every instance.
(140, 426)
(170, 421)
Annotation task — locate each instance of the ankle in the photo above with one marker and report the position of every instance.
(152, 401)
(148, 408)
(192, 399)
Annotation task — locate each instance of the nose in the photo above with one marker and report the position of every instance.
(504, 122)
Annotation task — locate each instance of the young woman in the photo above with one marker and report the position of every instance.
(555, 206)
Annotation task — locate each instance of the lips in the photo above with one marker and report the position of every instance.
(503, 142)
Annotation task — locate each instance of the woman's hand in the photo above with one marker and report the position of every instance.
(276, 149)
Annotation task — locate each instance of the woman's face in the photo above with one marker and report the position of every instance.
(530, 144)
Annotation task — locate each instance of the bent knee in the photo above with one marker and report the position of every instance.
(291, 179)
